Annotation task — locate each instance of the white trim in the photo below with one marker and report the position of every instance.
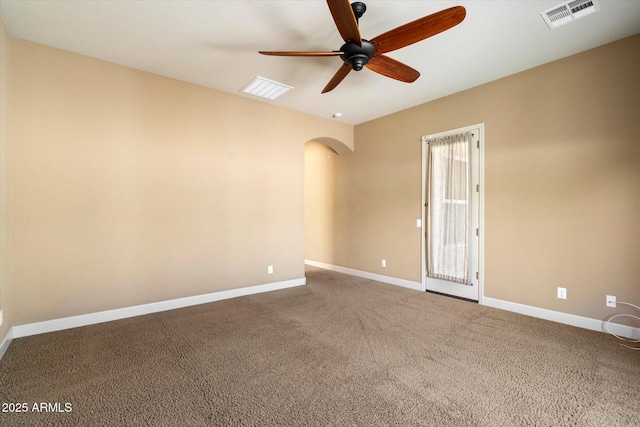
(6, 342)
(365, 274)
(527, 310)
(139, 310)
(423, 230)
(567, 319)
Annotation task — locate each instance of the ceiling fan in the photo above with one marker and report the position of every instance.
(357, 52)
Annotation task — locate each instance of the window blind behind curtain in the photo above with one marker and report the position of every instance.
(448, 208)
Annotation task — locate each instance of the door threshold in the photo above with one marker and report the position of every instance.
(453, 296)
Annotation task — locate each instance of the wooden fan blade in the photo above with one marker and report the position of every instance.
(276, 53)
(418, 30)
(345, 20)
(389, 67)
(337, 78)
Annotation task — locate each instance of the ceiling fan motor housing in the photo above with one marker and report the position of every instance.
(357, 56)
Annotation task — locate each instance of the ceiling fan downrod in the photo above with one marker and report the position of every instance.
(354, 55)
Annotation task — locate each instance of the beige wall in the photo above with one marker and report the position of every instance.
(5, 229)
(562, 182)
(130, 188)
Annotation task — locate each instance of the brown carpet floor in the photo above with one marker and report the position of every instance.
(340, 351)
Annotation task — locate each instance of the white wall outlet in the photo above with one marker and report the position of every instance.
(1, 317)
(562, 293)
(384, 262)
(270, 269)
(419, 223)
(611, 301)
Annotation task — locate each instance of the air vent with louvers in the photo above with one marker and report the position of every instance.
(568, 12)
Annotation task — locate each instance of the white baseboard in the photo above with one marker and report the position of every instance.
(555, 316)
(4, 345)
(567, 319)
(365, 274)
(139, 310)
(122, 313)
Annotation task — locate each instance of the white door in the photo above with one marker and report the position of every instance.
(451, 187)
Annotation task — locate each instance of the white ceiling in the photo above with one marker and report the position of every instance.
(215, 44)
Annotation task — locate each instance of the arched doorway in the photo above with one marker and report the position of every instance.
(323, 199)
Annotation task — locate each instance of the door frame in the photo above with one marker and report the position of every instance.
(480, 128)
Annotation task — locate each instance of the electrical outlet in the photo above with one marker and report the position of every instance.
(562, 293)
(270, 269)
(1, 317)
(384, 262)
(611, 301)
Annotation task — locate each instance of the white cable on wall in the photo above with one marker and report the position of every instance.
(627, 340)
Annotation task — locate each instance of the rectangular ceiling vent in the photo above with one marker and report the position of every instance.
(569, 12)
(265, 88)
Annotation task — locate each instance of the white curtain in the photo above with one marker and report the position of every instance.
(448, 213)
